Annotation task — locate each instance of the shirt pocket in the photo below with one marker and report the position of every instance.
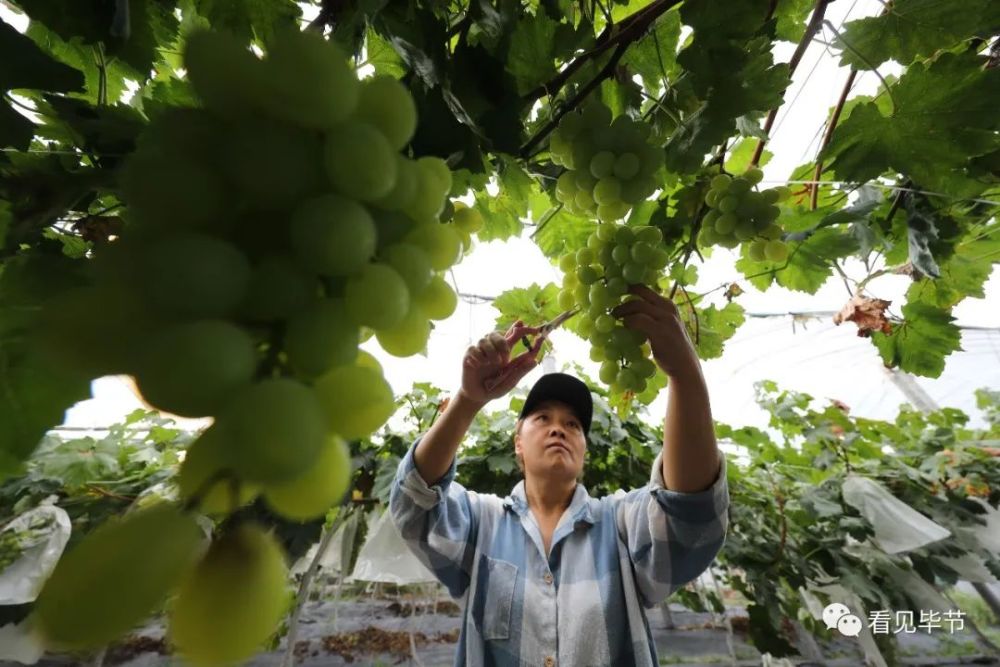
(499, 598)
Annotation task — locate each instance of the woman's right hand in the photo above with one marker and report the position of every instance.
(488, 372)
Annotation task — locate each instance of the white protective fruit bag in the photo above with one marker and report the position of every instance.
(21, 581)
(898, 527)
(44, 532)
(385, 557)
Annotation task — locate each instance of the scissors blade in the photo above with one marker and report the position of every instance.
(548, 327)
(544, 330)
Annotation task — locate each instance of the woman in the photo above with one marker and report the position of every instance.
(551, 576)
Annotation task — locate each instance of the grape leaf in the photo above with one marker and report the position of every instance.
(24, 65)
(955, 91)
(913, 28)
(418, 37)
(964, 274)
(250, 19)
(534, 305)
(921, 233)
(488, 96)
(724, 21)
(382, 56)
(741, 154)
(621, 96)
(80, 56)
(531, 58)
(110, 129)
(654, 57)
(6, 217)
(498, 224)
(439, 132)
(15, 130)
(921, 342)
(561, 232)
(129, 32)
(515, 187)
(713, 328)
(930, 234)
(34, 391)
(34, 394)
(791, 18)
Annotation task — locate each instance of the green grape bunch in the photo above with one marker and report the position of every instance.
(596, 279)
(609, 163)
(271, 231)
(740, 214)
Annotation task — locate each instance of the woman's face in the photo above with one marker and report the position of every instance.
(551, 441)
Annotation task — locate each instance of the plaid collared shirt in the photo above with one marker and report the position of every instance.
(583, 605)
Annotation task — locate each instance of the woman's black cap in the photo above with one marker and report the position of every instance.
(565, 388)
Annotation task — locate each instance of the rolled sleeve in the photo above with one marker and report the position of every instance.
(672, 536)
(439, 522)
(697, 507)
(417, 489)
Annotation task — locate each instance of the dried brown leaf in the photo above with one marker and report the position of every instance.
(867, 312)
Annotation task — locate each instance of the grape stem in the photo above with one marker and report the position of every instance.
(836, 265)
(104, 493)
(544, 221)
(828, 135)
(694, 314)
(630, 29)
(814, 25)
(191, 503)
(780, 499)
(897, 202)
(643, 17)
(305, 585)
(692, 244)
(270, 362)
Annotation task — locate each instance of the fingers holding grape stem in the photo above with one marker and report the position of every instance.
(488, 372)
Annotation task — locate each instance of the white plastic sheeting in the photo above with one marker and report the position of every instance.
(898, 527)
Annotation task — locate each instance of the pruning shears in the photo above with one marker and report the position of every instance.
(542, 333)
(544, 330)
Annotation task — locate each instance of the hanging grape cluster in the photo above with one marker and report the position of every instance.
(270, 232)
(609, 163)
(739, 214)
(596, 279)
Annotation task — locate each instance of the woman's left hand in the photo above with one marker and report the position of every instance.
(656, 317)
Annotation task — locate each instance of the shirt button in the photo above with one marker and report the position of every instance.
(548, 580)
(550, 661)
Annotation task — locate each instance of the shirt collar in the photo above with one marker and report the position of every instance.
(579, 507)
